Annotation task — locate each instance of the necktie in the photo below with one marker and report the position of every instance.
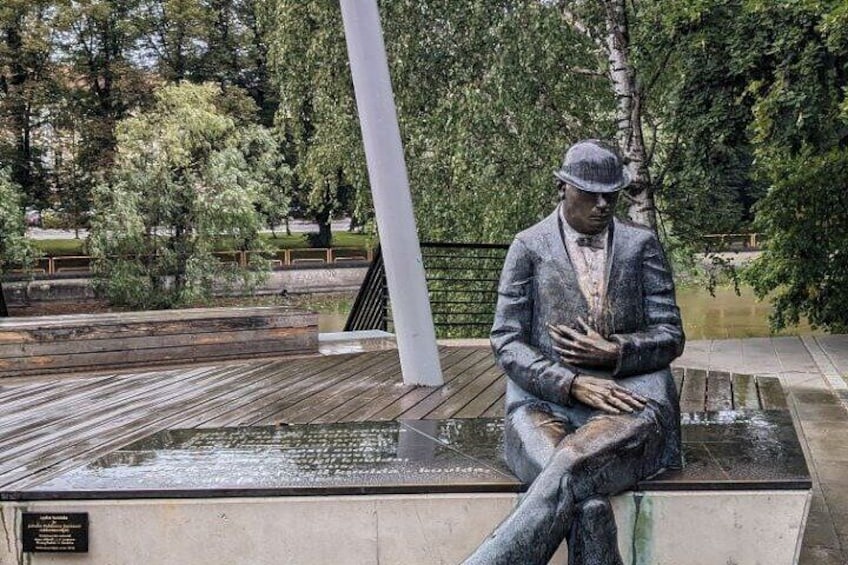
(590, 241)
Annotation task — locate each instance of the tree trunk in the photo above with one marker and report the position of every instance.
(4, 312)
(629, 135)
(325, 233)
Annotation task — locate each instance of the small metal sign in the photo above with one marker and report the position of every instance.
(65, 532)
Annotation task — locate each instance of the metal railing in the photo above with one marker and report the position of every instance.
(462, 281)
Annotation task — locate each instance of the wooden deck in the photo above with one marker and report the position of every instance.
(48, 425)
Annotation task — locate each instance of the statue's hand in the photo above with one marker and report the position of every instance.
(589, 349)
(605, 395)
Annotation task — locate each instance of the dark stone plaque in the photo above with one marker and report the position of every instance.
(754, 449)
(355, 458)
(737, 450)
(56, 532)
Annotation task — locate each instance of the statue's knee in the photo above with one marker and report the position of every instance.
(650, 417)
(595, 506)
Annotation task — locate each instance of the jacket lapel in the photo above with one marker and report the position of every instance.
(615, 253)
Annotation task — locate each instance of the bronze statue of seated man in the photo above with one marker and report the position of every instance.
(585, 328)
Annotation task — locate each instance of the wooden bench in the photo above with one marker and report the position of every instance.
(702, 390)
(117, 340)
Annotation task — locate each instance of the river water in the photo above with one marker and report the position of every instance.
(724, 315)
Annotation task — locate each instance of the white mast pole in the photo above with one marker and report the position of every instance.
(413, 321)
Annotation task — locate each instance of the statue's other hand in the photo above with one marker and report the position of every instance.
(605, 395)
(584, 349)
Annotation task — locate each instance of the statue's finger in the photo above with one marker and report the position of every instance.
(570, 332)
(618, 403)
(567, 358)
(633, 394)
(578, 337)
(553, 330)
(586, 327)
(629, 397)
(606, 407)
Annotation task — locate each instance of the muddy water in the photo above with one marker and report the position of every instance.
(726, 314)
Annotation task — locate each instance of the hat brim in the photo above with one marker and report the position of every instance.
(589, 186)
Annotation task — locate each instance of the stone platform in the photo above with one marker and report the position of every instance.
(423, 491)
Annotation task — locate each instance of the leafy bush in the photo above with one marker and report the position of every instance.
(187, 173)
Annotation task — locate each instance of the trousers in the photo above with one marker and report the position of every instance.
(574, 465)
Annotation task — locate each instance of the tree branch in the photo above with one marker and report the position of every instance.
(578, 25)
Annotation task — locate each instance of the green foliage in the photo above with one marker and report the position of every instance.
(488, 98)
(800, 130)
(703, 153)
(15, 249)
(28, 84)
(805, 214)
(317, 112)
(187, 173)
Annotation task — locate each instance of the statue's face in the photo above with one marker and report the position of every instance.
(588, 212)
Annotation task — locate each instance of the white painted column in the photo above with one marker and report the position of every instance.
(413, 321)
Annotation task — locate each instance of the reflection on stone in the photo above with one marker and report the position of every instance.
(354, 457)
(723, 450)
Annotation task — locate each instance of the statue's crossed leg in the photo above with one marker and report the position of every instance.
(575, 470)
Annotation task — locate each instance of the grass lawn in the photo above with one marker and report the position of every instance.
(64, 247)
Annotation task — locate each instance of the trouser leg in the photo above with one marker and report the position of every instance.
(608, 454)
(593, 538)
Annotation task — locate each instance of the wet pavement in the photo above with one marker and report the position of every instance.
(813, 372)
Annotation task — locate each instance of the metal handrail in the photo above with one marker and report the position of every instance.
(462, 282)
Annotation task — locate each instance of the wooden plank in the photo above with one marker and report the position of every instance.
(771, 394)
(69, 391)
(333, 373)
(380, 389)
(70, 403)
(496, 410)
(440, 395)
(454, 362)
(694, 392)
(251, 387)
(308, 409)
(413, 397)
(457, 402)
(109, 426)
(305, 343)
(745, 392)
(280, 376)
(478, 406)
(175, 321)
(719, 393)
(60, 424)
(119, 343)
(17, 416)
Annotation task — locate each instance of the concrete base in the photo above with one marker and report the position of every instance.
(655, 528)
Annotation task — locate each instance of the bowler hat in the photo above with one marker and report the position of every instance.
(593, 166)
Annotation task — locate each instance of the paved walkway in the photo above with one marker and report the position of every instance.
(813, 371)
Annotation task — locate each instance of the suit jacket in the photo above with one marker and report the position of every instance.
(539, 286)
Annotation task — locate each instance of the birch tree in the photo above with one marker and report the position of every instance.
(606, 27)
